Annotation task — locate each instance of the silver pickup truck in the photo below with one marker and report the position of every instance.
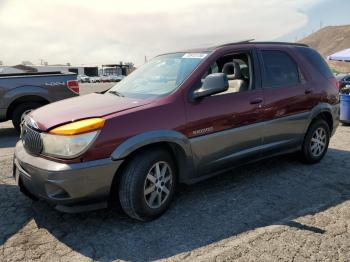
(21, 93)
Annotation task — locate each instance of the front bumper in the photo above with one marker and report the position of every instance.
(70, 187)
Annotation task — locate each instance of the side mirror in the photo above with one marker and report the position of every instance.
(212, 84)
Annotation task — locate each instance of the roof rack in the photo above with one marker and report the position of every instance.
(251, 41)
(278, 43)
(236, 43)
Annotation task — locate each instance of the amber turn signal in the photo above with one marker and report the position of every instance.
(79, 127)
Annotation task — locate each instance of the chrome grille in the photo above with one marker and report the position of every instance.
(31, 140)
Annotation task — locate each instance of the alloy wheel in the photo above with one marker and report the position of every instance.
(318, 142)
(158, 184)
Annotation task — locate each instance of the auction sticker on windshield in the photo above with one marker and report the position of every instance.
(195, 55)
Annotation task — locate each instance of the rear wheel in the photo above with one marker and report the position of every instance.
(316, 142)
(20, 112)
(147, 185)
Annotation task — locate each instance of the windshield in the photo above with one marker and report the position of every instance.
(160, 76)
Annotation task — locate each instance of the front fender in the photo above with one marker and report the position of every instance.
(151, 137)
(184, 160)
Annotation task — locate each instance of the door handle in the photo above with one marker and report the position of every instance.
(256, 101)
(308, 91)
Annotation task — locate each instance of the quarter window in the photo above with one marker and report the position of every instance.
(280, 70)
(316, 60)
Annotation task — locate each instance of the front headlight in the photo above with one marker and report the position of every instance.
(67, 146)
(73, 139)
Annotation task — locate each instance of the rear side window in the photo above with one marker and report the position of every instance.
(280, 70)
(316, 60)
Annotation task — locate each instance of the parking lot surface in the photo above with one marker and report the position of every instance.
(274, 210)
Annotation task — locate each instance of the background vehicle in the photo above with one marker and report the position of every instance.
(95, 79)
(343, 79)
(180, 118)
(106, 78)
(116, 78)
(21, 93)
(83, 79)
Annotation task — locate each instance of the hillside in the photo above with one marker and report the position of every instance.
(330, 40)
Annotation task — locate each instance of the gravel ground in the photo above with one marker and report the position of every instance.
(275, 210)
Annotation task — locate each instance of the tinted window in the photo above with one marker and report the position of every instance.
(280, 70)
(316, 60)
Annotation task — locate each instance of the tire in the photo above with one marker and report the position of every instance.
(138, 176)
(18, 112)
(316, 142)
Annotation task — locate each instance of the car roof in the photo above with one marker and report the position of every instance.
(239, 43)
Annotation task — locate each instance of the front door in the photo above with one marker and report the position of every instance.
(226, 128)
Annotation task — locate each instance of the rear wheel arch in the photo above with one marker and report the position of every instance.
(326, 116)
(324, 111)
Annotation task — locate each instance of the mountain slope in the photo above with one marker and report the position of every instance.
(330, 40)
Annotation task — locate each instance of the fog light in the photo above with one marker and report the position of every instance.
(56, 192)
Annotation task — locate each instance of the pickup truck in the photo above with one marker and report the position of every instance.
(21, 93)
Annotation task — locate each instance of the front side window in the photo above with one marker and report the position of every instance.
(160, 76)
(237, 67)
(280, 70)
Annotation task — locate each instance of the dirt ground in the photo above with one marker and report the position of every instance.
(274, 210)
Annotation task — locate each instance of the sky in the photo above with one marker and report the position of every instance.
(94, 32)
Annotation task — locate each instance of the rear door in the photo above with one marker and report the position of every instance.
(286, 106)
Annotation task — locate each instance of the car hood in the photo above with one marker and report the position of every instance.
(81, 107)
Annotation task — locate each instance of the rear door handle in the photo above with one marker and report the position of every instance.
(308, 91)
(256, 101)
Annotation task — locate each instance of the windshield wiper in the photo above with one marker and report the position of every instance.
(116, 93)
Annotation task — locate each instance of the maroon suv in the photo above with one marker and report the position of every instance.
(180, 118)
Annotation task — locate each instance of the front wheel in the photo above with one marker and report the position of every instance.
(316, 142)
(147, 184)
